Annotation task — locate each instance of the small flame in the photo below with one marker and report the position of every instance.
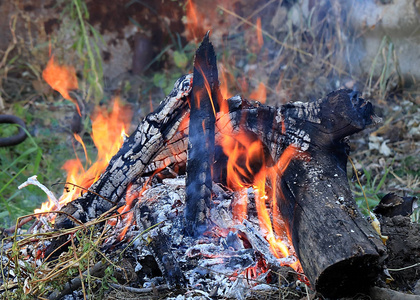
(107, 130)
(194, 22)
(224, 88)
(260, 93)
(259, 33)
(127, 213)
(208, 89)
(61, 78)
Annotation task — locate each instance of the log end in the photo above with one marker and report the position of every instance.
(349, 277)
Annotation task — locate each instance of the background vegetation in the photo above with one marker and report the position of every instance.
(302, 57)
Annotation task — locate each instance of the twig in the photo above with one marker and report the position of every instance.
(253, 14)
(20, 224)
(358, 181)
(140, 290)
(78, 267)
(87, 190)
(404, 268)
(76, 283)
(32, 180)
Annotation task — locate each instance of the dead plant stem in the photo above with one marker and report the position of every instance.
(339, 70)
(80, 271)
(358, 181)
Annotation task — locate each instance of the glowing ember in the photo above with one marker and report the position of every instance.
(108, 130)
(61, 78)
(127, 214)
(247, 167)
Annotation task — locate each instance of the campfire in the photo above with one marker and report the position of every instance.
(210, 197)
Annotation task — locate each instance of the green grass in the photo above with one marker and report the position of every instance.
(368, 191)
(47, 147)
(20, 162)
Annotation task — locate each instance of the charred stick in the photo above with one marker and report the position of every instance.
(203, 111)
(133, 290)
(160, 247)
(97, 271)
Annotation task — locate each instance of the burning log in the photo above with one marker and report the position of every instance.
(204, 106)
(297, 153)
(337, 247)
(139, 156)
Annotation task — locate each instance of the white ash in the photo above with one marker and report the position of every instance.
(214, 265)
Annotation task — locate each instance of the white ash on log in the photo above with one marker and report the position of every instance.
(305, 143)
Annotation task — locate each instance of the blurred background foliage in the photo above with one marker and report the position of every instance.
(274, 51)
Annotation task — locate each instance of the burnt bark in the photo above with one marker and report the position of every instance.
(203, 109)
(141, 154)
(338, 249)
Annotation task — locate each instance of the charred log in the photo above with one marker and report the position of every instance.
(203, 109)
(137, 156)
(339, 251)
(392, 205)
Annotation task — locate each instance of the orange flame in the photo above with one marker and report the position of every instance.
(127, 214)
(208, 89)
(259, 33)
(224, 88)
(107, 130)
(260, 93)
(61, 78)
(248, 166)
(194, 22)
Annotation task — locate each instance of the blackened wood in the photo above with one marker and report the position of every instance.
(97, 271)
(339, 251)
(160, 247)
(392, 205)
(159, 241)
(135, 158)
(203, 109)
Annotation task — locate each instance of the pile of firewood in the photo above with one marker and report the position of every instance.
(178, 231)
